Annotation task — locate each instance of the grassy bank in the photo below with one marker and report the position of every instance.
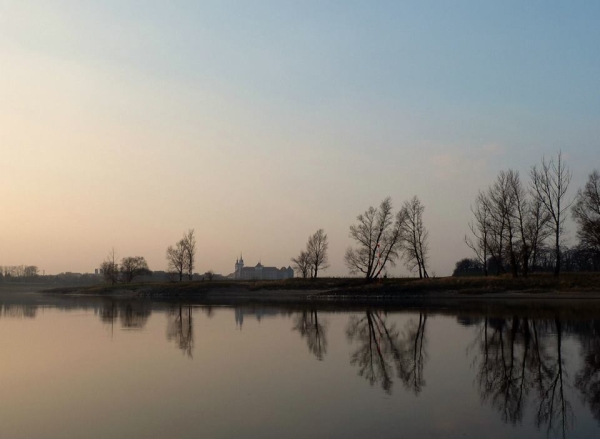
(350, 288)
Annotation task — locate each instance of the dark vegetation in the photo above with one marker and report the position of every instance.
(349, 288)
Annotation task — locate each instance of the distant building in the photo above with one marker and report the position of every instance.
(260, 272)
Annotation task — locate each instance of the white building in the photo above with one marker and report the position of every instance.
(260, 272)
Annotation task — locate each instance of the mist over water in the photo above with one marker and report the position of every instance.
(84, 367)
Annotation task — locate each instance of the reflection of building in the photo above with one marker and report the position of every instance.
(261, 272)
(259, 313)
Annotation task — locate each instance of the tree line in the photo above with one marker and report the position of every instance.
(181, 259)
(18, 272)
(381, 238)
(519, 227)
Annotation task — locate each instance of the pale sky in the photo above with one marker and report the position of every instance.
(125, 123)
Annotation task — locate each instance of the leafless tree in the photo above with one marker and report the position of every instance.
(133, 266)
(189, 245)
(302, 264)
(176, 258)
(377, 234)
(503, 208)
(586, 212)
(110, 268)
(537, 230)
(550, 183)
(414, 236)
(480, 230)
(317, 252)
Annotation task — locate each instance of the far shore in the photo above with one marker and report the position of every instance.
(573, 286)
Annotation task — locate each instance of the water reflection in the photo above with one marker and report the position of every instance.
(534, 370)
(180, 328)
(313, 330)
(520, 358)
(587, 380)
(18, 311)
(382, 349)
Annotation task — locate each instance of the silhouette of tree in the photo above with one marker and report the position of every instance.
(308, 325)
(302, 264)
(176, 258)
(110, 268)
(133, 266)
(467, 267)
(378, 235)
(550, 183)
(414, 236)
(586, 213)
(317, 252)
(480, 230)
(189, 257)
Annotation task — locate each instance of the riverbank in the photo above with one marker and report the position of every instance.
(568, 286)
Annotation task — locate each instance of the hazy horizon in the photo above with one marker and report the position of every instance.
(124, 124)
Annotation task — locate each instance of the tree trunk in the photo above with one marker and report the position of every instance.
(557, 266)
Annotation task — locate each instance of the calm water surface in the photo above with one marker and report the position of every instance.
(74, 368)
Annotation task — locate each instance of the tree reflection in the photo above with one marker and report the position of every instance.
(134, 315)
(310, 328)
(18, 311)
(519, 357)
(383, 349)
(587, 380)
(180, 329)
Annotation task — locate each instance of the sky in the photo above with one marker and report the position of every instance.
(125, 123)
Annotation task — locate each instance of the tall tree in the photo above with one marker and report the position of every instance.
(316, 248)
(480, 230)
(110, 268)
(414, 236)
(550, 183)
(176, 258)
(586, 212)
(377, 235)
(302, 264)
(189, 245)
(133, 266)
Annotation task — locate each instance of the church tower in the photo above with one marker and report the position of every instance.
(239, 264)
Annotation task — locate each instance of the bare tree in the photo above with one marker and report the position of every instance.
(550, 183)
(378, 237)
(133, 266)
(176, 258)
(189, 244)
(414, 236)
(317, 252)
(110, 268)
(302, 264)
(480, 229)
(503, 207)
(537, 230)
(586, 212)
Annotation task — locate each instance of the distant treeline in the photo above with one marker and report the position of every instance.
(18, 271)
